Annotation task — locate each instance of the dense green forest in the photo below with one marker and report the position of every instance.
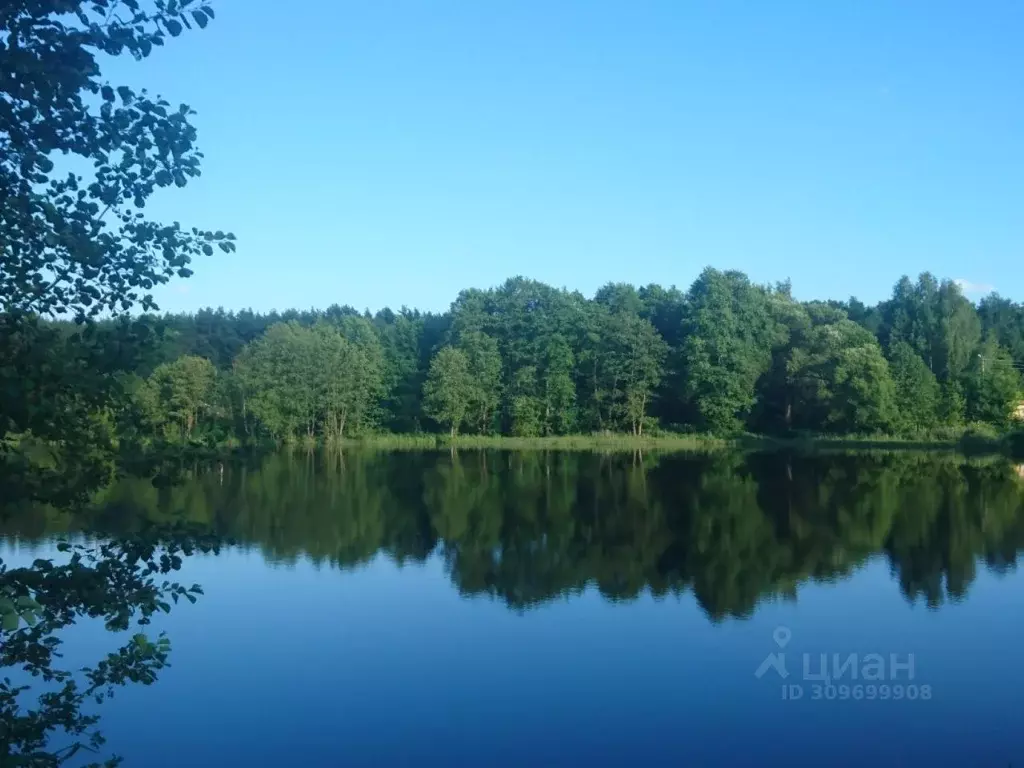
(527, 359)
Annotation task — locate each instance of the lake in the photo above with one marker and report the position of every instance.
(534, 608)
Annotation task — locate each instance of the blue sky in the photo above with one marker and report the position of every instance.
(389, 153)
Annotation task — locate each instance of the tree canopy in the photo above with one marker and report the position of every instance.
(526, 359)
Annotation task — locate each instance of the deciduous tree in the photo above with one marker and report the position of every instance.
(183, 390)
(917, 392)
(448, 389)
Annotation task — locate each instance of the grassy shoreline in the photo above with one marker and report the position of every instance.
(967, 442)
(557, 443)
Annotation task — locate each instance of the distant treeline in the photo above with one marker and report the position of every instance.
(528, 359)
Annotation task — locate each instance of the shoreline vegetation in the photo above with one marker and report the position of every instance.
(725, 363)
(164, 461)
(968, 441)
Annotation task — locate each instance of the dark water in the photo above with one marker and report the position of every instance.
(577, 609)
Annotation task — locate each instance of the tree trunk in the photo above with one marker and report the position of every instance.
(245, 418)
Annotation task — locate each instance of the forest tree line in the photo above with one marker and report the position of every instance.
(527, 359)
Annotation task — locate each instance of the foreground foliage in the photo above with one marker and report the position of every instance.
(76, 241)
(79, 159)
(118, 582)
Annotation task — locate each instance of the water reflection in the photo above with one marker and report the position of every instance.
(528, 527)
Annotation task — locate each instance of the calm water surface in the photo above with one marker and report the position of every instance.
(576, 609)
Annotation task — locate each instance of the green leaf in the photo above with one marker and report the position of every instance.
(207, 249)
(11, 622)
(208, 11)
(173, 27)
(200, 18)
(107, 92)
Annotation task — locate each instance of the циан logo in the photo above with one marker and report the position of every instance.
(776, 661)
(844, 676)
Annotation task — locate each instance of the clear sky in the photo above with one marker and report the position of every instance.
(386, 153)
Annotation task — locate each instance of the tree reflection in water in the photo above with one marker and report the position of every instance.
(526, 527)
